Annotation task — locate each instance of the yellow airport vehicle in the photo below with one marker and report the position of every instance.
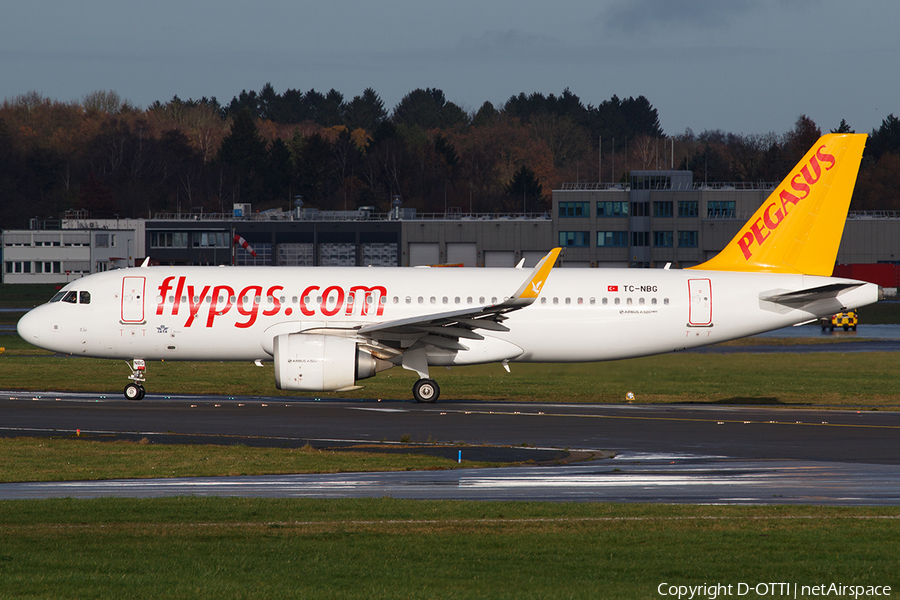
(846, 320)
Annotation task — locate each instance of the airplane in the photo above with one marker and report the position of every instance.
(326, 328)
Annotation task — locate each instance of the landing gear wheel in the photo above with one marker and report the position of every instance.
(426, 391)
(134, 391)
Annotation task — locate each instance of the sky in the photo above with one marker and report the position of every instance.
(740, 66)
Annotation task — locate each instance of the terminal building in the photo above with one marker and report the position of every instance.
(661, 218)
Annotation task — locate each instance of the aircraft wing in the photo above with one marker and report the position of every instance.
(445, 329)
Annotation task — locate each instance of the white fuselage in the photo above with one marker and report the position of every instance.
(234, 313)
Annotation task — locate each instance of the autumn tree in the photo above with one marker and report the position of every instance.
(876, 186)
(105, 101)
(199, 120)
(843, 127)
(312, 166)
(485, 115)
(365, 111)
(428, 109)
(243, 153)
(800, 139)
(885, 139)
(525, 189)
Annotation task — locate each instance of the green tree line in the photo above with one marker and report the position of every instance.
(111, 158)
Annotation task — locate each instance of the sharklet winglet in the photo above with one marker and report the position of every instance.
(531, 289)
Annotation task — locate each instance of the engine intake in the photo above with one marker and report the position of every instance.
(321, 363)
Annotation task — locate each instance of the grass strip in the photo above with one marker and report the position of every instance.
(72, 459)
(791, 379)
(384, 548)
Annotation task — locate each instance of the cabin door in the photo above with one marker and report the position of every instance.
(700, 311)
(133, 299)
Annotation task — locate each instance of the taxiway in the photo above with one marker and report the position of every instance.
(669, 453)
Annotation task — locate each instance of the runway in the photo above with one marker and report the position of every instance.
(670, 453)
(627, 478)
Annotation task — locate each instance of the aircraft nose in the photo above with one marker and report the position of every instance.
(29, 327)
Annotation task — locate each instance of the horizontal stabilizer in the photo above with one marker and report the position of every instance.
(806, 296)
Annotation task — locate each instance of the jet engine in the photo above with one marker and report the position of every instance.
(321, 363)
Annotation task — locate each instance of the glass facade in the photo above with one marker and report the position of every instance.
(169, 239)
(612, 239)
(688, 208)
(662, 209)
(687, 239)
(720, 209)
(651, 182)
(662, 239)
(574, 238)
(210, 239)
(612, 209)
(574, 209)
(640, 209)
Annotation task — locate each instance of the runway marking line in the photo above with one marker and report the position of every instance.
(682, 419)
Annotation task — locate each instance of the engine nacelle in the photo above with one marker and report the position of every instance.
(321, 363)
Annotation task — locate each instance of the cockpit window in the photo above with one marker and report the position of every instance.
(57, 297)
(71, 297)
(84, 297)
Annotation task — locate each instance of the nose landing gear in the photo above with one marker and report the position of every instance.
(135, 390)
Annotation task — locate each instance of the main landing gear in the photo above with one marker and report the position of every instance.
(135, 390)
(426, 390)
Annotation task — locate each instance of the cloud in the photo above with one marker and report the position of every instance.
(509, 43)
(639, 15)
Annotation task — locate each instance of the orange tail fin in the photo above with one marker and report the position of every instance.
(798, 228)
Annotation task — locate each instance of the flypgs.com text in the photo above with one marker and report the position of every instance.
(222, 299)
